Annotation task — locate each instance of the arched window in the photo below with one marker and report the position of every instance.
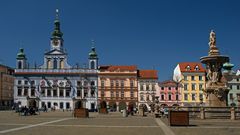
(19, 65)
(92, 65)
(61, 64)
(49, 64)
(55, 64)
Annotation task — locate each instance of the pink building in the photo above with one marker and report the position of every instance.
(168, 93)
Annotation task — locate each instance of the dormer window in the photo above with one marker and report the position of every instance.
(188, 68)
(196, 68)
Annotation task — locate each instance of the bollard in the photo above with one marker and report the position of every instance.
(233, 114)
(202, 113)
(124, 113)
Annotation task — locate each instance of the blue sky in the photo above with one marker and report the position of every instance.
(152, 34)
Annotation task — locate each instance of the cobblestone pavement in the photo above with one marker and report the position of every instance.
(62, 123)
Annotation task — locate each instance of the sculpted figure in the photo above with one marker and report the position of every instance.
(212, 39)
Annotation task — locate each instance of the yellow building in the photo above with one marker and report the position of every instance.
(191, 77)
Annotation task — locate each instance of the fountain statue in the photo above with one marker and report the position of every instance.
(216, 90)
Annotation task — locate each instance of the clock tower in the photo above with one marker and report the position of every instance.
(56, 39)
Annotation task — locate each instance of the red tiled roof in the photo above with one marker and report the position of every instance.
(148, 74)
(191, 67)
(168, 83)
(119, 68)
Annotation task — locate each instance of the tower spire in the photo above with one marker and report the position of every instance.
(57, 32)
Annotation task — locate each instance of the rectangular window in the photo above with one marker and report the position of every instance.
(162, 88)
(117, 94)
(177, 97)
(122, 83)
(25, 91)
(102, 84)
(122, 94)
(231, 96)
(185, 96)
(102, 93)
(193, 86)
(19, 91)
(131, 83)
(237, 87)
(193, 97)
(132, 94)
(117, 83)
(19, 82)
(169, 88)
(68, 90)
(111, 83)
(193, 78)
(79, 93)
(32, 91)
(237, 79)
(32, 82)
(153, 87)
(141, 87)
(201, 97)
(230, 86)
(43, 91)
(26, 82)
(55, 92)
(185, 78)
(85, 92)
(200, 86)
(162, 96)
(169, 97)
(147, 86)
(49, 92)
(141, 98)
(185, 86)
(200, 78)
(61, 92)
(79, 83)
(112, 94)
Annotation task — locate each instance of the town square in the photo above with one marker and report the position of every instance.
(123, 67)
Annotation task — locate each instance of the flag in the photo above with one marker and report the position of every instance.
(38, 91)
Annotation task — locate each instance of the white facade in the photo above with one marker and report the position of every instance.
(147, 91)
(56, 84)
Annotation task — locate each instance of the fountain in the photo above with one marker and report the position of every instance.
(216, 81)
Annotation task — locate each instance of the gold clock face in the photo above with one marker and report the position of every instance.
(55, 42)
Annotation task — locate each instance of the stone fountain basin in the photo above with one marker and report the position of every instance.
(214, 59)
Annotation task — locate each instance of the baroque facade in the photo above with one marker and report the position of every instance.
(191, 76)
(117, 86)
(147, 86)
(234, 92)
(56, 84)
(169, 93)
(6, 87)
